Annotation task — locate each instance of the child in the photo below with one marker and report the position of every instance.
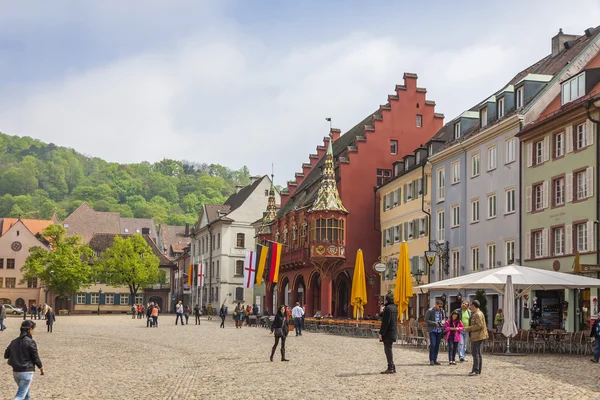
(453, 328)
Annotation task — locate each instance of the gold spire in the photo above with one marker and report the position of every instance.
(328, 198)
(271, 206)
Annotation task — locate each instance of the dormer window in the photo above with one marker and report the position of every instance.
(519, 97)
(484, 115)
(457, 130)
(406, 166)
(418, 157)
(573, 89)
(430, 150)
(501, 108)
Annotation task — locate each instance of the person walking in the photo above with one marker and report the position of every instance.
(149, 316)
(464, 314)
(499, 320)
(24, 311)
(23, 357)
(179, 312)
(453, 328)
(133, 311)
(238, 315)
(39, 311)
(280, 328)
(435, 319)
(388, 333)
(154, 315)
(297, 314)
(2, 316)
(197, 314)
(33, 312)
(50, 318)
(595, 334)
(479, 333)
(222, 314)
(209, 311)
(186, 314)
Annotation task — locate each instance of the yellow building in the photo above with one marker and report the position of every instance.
(404, 216)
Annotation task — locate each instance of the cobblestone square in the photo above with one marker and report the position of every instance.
(116, 357)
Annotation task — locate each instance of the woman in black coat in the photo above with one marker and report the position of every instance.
(50, 318)
(280, 328)
(388, 333)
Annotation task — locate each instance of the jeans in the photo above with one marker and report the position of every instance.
(462, 346)
(597, 348)
(50, 328)
(434, 347)
(298, 323)
(222, 322)
(476, 351)
(387, 347)
(23, 380)
(452, 347)
(2, 327)
(187, 318)
(177, 318)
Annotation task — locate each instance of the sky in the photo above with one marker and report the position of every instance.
(250, 82)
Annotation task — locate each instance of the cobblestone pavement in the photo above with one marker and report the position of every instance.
(116, 357)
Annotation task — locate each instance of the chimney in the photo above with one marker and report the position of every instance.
(238, 188)
(187, 229)
(558, 42)
(254, 179)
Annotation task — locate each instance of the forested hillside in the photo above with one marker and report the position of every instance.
(37, 179)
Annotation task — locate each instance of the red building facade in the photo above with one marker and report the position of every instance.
(328, 211)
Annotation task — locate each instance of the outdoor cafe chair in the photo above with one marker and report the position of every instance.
(539, 342)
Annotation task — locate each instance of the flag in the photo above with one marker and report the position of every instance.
(200, 274)
(576, 264)
(249, 270)
(273, 261)
(190, 274)
(260, 257)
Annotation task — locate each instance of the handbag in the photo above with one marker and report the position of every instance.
(278, 332)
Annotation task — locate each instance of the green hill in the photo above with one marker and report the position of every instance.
(37, 179)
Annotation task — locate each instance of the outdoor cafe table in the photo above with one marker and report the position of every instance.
(553, 339)
(344, 327)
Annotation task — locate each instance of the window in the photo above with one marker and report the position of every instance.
(10, 282)
(455, 263)
(558, 237)
(397, 233)
(419, 120)
(94, 298)
(538, 244)
(219, 241)
(491, 255)
(382, 175)
(139, 299)
(1, 263)
(491, 161)
(456, 172)
(474, 258)
(441, 226)
(501, 108)
(239, 268)
(581, 138)
(509, 248)
(430, 150)
(582, 237)
(218, 272)
(475, 210)
(510, 201)
(484, 117)
(457, 130)
(519, 97)
(538, 197)
(80, 298)
(441, 181)
(124, 300)
(394, 146)
(573, 89)
(32, 283)
(328, 230)
(10, 263)
(239, 294)
(558, 189)
(1, 282)
(109, 298)
(475, 164)
(580, 185)
(538, 155)
(455, 216)
(266, 192)
(240, 241)
(418, 157)
(511, 151)
(559, 145)
(491, 206)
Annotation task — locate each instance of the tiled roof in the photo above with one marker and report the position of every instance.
(179, 247)
(36, 226)
(212, 211)
(102, 241)
(237, 199)
(135, 225)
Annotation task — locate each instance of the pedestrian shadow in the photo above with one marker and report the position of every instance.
(353, 374)
(412, 365)
(456, 374)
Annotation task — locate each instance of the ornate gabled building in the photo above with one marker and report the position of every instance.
(328, 212)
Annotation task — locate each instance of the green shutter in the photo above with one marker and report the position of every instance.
(425, 185)
(385, 202)
(426, 225)
(102, 295)
(406, 231)
(117, 298)
(398, 194)
(88, 298)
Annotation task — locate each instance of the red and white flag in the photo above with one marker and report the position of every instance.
(200, 274)
(249, 270)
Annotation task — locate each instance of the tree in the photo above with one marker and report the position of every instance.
(129, 262)
(65, 268)
(481, 297)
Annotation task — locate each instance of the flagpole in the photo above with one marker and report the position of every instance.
(192, 288)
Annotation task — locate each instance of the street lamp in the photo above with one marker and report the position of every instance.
(99, 296)
(419, 277)
(444, 300)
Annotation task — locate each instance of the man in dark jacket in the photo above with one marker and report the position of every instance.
(388, 333)
(23, 357)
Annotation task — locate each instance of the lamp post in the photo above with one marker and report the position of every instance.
(419, 277)
(441, 250)
(444, 300)
(99, 296)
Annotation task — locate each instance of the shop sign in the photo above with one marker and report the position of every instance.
(590, 267)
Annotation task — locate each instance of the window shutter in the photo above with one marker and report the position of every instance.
(406, 231)
(569, 191)
(527, 245)
(405, 193)
(385, 202)
(529, 154)
(589, 132)
(528, 199)
(397, 198)
(546, 148)
(425, 185)
(117, 298)
(569, 138)
(568, 239)
(589, 176)
(414, 264)
(590, 236)
(545, 243)
(88, 298)
(545, 194)
(426, 221)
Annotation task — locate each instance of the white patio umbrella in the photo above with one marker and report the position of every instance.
(509, 329)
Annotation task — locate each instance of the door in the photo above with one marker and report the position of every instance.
(60, 303)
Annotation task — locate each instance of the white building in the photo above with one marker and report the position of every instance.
(220, 237)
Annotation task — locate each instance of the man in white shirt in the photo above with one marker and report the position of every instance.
(179, 311)
(297, 314)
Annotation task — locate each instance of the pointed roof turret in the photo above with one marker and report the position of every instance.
(328, 198)
(271, 206)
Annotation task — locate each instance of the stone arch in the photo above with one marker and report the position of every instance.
(341, 294)
(299, 289)
(313, 293)
(284, 288)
